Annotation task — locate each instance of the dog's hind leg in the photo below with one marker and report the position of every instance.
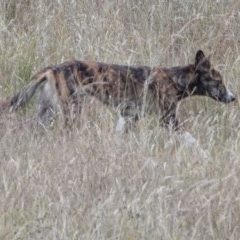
(48, 104)
(128, 119)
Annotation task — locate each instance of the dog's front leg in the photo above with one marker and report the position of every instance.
(169, 118)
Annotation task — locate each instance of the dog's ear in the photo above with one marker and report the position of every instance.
(202, 63)
(199, 56)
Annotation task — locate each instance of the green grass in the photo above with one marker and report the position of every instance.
(92, 183)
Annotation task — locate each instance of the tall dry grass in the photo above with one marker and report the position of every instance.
(91, 183)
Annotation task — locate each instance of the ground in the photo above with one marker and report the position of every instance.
(91, 183)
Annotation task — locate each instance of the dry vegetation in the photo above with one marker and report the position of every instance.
(92, 183)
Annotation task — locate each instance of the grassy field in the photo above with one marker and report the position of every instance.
(92, 183)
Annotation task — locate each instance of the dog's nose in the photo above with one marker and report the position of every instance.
(230, 96)
(233, 98)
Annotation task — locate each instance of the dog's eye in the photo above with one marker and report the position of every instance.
(209, 78)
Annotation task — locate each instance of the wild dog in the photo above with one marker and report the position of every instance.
(132, 90)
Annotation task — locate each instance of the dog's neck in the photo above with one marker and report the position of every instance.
(184, 79)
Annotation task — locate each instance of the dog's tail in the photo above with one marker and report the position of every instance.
(23, 97)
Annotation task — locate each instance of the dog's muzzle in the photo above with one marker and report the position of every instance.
(229, 97)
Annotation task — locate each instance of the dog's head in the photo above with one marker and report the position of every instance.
(210, 81)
